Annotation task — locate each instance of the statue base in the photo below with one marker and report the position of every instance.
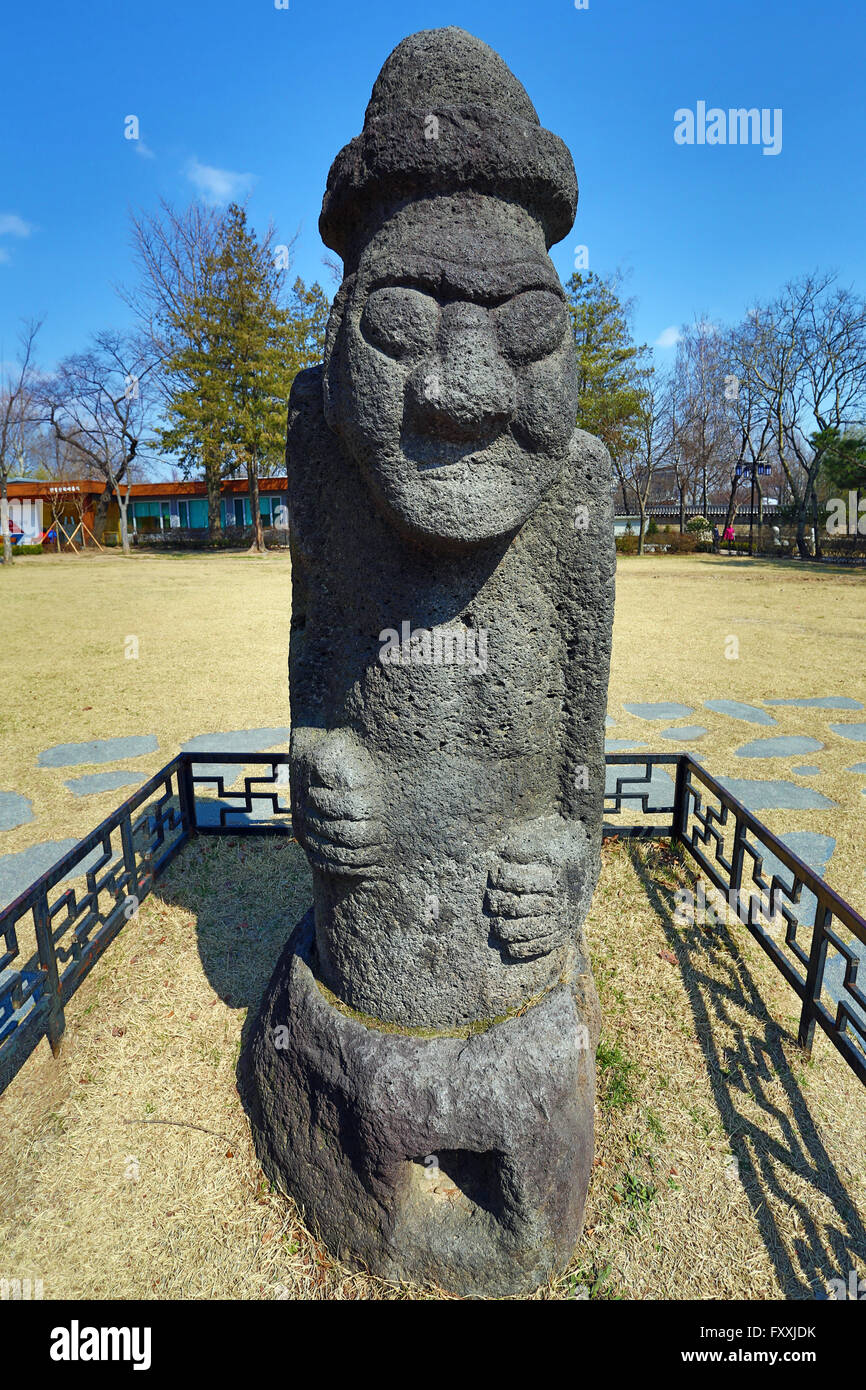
(462, 1162)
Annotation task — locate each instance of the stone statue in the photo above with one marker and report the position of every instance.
(422, 1071)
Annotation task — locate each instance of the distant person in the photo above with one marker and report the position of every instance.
(729, 537)
(716, 538)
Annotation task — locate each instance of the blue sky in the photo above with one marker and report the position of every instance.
(239, 97)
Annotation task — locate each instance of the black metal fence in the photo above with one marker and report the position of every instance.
(52, 934)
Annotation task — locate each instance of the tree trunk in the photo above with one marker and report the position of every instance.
(258, 544)
(213, 482)
(123, 507)
(682, 508)
(802, 545)
(732, 506)
(100, 514)
(4, 520)
(641, 506)
(818, 551)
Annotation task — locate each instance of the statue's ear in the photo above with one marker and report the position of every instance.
(334, 352)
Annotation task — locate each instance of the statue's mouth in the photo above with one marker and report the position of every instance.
(445, 456)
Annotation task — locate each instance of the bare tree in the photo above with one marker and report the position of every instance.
(749, 429)
(809, 369)
(651, 449)
(701, 433)
(17, 413)
(97, 406)
(175, 253)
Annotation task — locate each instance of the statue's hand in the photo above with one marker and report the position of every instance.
(336, 804)
(528, 886)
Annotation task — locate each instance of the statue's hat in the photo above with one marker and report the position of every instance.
(446, 115)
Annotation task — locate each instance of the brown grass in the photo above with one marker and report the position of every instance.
(128, 1169)
(698, 1064)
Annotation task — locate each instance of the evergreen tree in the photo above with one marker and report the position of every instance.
(239, 353)
(844, 459)
(612, 369)
(306, 324)
(195, 370)
(253, 336)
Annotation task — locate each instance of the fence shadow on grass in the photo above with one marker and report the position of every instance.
(747, 1070)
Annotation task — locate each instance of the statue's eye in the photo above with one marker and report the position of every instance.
(531, 325)
(400, 321)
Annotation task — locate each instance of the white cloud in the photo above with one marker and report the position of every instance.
(669, 337)
(218, 185)
(142, 150)
(13, 225)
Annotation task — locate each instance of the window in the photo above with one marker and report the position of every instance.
(147, 516)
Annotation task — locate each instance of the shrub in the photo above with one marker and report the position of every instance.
(652, 529)
(627, 544)
(27, 550)
(683, 545)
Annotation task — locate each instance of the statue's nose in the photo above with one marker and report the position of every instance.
(466, 391)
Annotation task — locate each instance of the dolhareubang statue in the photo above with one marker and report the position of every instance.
(422, 1071)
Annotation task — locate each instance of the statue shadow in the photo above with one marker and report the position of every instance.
(747, 1070)
(246, 895)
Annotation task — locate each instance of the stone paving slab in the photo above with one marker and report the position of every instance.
(98, 750)
(778, 747)
(766, 794)
(855, 732)
(820, 702)
(660, 709)
(93, 782)
(15, 810)
(736, 709)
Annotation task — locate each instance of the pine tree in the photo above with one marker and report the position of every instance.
(253, 335)
(197, 410)
(239, 355)
(306, 323)
(612, 369)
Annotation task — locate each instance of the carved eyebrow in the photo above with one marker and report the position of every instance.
(488, 285)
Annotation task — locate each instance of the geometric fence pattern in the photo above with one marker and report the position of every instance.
(51, 936)
(814, 938)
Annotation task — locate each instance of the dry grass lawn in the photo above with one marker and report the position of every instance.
(726, 1166)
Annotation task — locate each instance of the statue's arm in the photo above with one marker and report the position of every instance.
(336, 797)
(544, 872)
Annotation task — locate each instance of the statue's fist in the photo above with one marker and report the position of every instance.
(529, 886)
(521, 899)
(336, 803)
